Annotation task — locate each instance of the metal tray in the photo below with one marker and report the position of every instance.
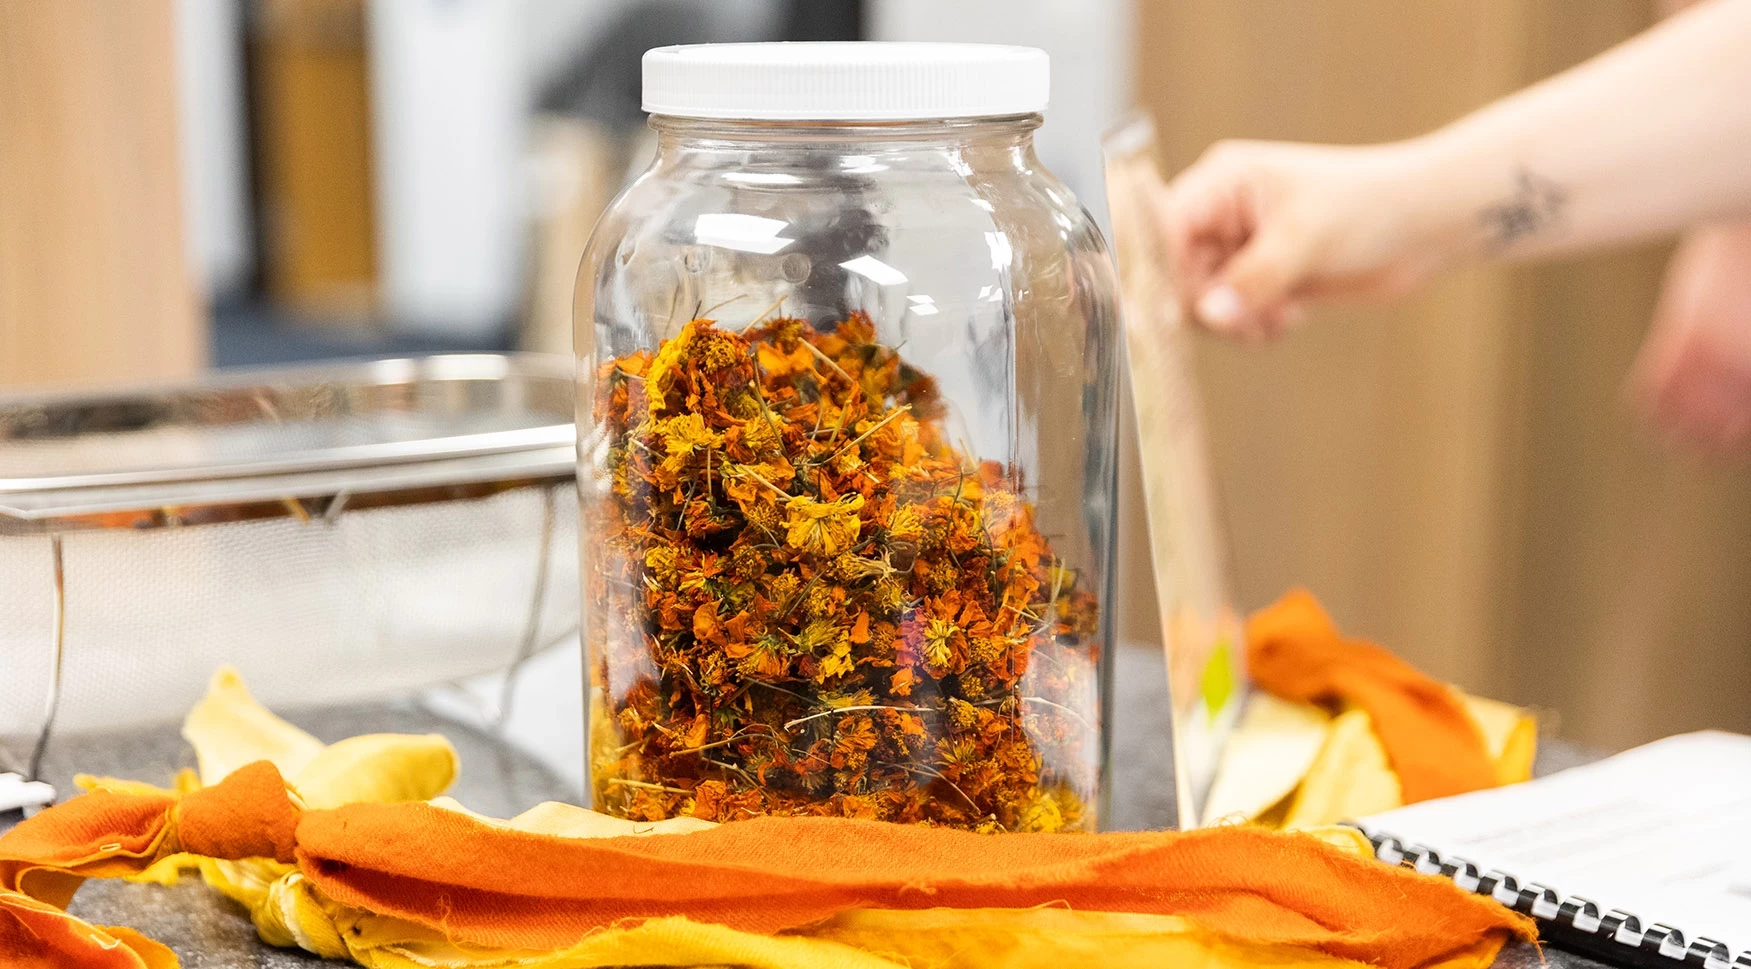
(303, 441)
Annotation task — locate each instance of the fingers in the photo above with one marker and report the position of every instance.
(1203, 224)
(1234, 260)
(1694, 396)
(1693, 376)
(1252, 294)
(1254, 229)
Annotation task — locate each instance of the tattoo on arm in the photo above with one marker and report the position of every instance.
(1536, 205)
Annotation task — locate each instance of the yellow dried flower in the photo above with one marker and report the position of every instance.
(823, 527)
(837, 663)
(936, 643)
(662, 370)
(985, 649)
(758, 433)
(687, 433)
(782, 586)
(961, 714)
(889, 594)
(720, 353)
(820, 634)
(819, 602)
(906, 525)
(1043, 814)
(762, 516)
(659, 561)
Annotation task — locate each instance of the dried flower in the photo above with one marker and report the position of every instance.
(825, 528)
(804, 601)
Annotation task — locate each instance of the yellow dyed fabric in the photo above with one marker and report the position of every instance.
(1291, 764)
(889, 939)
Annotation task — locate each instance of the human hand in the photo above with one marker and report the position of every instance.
(1693, 376)
(1254, 230)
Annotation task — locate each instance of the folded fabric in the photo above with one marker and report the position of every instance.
(394, 881)
(1293, 764)
(1431, 736)
(37, 935)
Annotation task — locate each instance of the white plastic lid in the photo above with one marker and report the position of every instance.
(847, 81)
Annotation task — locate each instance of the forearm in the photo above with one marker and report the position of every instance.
(1651, 137)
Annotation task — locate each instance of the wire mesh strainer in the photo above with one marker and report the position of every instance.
(335, 533)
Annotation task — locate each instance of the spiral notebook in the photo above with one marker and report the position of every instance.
(1641, 859)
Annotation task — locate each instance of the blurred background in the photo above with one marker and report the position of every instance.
(195, 183)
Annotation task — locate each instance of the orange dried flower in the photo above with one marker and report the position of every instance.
(803, 600)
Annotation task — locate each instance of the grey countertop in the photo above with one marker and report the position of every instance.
(500, 779)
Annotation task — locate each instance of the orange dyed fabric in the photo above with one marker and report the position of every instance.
(37, 935)
(1295, 651)
(492, 886)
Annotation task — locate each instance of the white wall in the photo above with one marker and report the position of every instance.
(449, 103)
(215, 143)
(554, 31)
(1090, 45)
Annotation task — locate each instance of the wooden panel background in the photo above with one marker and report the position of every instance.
(312, 121)
(94, 277)
(1457, 474)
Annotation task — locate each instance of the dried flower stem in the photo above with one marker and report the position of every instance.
(1061, 708)
(750, 472)
(718, 306)
(829, 362)
(644, 785)
(927, 772)
(739, 735)
(791, 724)
(763, 313)
(859, 439)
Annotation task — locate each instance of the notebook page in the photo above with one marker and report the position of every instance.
(1662, 832)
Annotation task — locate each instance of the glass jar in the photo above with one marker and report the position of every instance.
(846, 417)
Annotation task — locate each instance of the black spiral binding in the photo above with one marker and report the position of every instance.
(1572, 923)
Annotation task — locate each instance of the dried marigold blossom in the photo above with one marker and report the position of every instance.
(803, 600)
